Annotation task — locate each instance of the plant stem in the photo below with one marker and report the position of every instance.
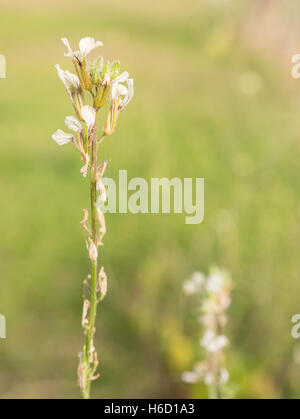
(94, 300)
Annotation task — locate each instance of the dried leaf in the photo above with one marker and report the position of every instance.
(84, 321)
(92, 249)
(102, 230)
(101, 169)
(81, 374)
(102, 283)
(102, 191)
(84, 221)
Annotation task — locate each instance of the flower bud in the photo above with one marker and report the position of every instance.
(106, 71)
(102, 95)
(115, 69)
(96, 70)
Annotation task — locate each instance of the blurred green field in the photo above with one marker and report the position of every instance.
(207, 104)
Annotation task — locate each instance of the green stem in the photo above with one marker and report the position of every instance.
(94, 300)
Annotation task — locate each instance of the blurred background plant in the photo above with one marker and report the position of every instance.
(212, 296)
(214, 99)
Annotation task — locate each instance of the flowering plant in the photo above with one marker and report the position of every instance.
(214, 298)
(106, 85)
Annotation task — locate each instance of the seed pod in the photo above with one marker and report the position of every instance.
(86, 74)
(78, 69)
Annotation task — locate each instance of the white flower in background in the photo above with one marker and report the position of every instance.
(195, 284)
(224, 376)
(61, 137)
(215, 282)
(209, 378)
(213, 293)
(198, 278)
(213, 343)
(86, 45)
(189, 288)
(189, 377)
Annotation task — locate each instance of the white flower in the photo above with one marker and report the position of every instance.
(224, 376)
(73, 124)
(69, 80)
(86, 45)
(189, 287)
(89, 116)
(129, 96)
(62, 137)
(124, 93)
(215, 282)
(189, 377)
(195, 284)
(118, 90)
(209, 378)
(213, 343)
(198, 278)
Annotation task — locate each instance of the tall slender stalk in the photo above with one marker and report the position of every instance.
(104, 82)
(94, 263)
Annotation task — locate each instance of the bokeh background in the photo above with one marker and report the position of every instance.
(214, 98)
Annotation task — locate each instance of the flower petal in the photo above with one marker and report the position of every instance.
(118, 90)
(71, 53)
(189, 377)
(61, 137)
(122, 77)
(86, 45)
(129, 96)
(130, 92)
(89, 116)
(73, 124)
(68, 79)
